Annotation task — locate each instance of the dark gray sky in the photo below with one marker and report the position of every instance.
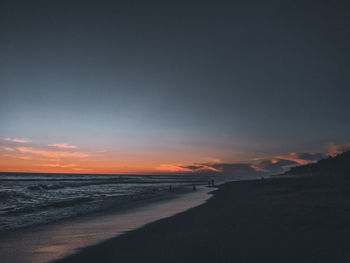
(189, 80)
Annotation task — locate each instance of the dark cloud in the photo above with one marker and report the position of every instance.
(275, 165)
(234, 168)
(278, 164)
(193, 167)
(310, 156)
(222, 168)
(282, 163)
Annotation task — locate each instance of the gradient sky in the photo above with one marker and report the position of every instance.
(172, 86)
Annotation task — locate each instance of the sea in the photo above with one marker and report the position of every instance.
(32, 199)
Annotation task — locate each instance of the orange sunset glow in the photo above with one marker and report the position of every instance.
(20, 155)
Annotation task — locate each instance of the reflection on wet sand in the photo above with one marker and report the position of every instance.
(46, 243)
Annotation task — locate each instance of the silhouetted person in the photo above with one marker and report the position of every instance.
(209, 184)
(194, 187)
(170, 188)
(212, 183)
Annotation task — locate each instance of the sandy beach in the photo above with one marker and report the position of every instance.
(279, 220)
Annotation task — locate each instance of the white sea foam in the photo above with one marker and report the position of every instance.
(28, 199)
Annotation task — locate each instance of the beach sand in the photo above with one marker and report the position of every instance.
(279, 220)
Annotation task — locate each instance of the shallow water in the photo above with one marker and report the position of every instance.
(49, 242)
(34, 199)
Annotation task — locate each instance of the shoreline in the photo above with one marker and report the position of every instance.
(278, 220)
(54, 240)
(126, 203)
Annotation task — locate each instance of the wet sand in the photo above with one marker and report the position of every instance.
(279, 220)
(44, 243)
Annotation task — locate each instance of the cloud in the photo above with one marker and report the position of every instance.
(172, 168)
(23, 157)
(292, 159)
(58, 165)
(63, 146)
(52, 154)
(9, 149)
(281, 163)
(233, 168)
(303, 158)
(17, 140)
(182, 168)
(335, 149)
(274, 165)
(201, 167)
(277, 164)
(222, 168)
(309, 156)
(193, 167)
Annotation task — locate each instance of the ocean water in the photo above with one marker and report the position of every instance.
(31, 199)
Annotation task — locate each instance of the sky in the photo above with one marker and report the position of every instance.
(172, 86)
